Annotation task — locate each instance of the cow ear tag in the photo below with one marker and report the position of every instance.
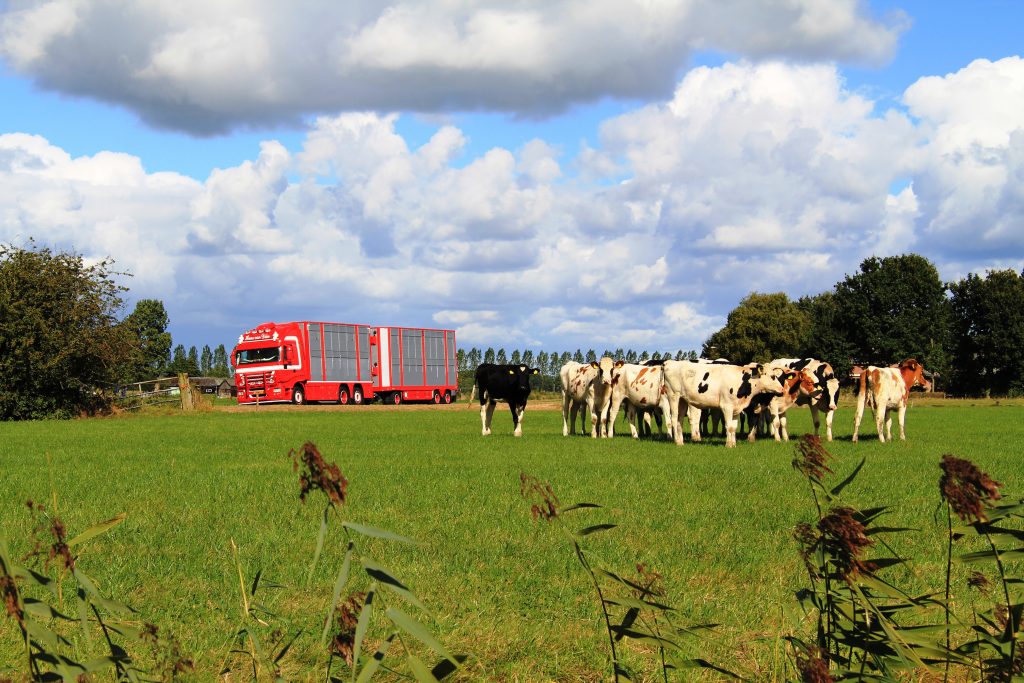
(536, 371)
(511, 372)
(594, 365)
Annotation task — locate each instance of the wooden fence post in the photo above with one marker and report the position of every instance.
(185, 389)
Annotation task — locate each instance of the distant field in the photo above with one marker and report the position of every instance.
(505, 589)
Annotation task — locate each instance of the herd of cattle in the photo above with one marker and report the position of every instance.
(703, 390)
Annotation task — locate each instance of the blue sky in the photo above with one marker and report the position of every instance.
(484, 168)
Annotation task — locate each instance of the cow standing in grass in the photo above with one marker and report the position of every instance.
(730, 388)
(577, 394)
(509, 383)
(886, 389)
(641, 388)
(769, 411)
(826, 401)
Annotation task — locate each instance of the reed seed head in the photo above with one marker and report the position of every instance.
(318, 474)
(545, 502)
(811, 458)
(813, 666)
(966, 488)
(347, 617)
(844, 539)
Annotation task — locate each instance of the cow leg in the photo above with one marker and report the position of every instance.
(880, 414)
(517, 418)
(486, 412)
(576, 410)
(731, 423)
(859, 414)
(635, 419)
(901, 413)
(566, 401)
(613, 414)
(693, 415)
(829, 414)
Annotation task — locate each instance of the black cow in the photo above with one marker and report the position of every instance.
(510, 383)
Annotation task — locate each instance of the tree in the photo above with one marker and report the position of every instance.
(578, 356)
(193, 361)
(542, 362)
(826, 339)
(460, 359)
(220, 362)
(761, 328)
(61, 345)
(179, 362)
(149, 323)
(988, 329)
(501, 358)
(554, 363)
(206, 360)
(528, 358)
(591, 356)
(489, 355)
(895, 308)
(515, 359)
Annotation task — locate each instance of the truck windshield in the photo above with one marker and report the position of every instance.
(270, 354)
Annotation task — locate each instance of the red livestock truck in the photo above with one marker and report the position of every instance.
(344, 363)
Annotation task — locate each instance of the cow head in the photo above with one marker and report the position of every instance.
(769, 380)
(913, 375)
(608, 371)
(521, 376)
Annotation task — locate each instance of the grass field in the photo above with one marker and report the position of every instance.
(505, 589)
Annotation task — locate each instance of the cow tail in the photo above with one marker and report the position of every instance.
(472, 394)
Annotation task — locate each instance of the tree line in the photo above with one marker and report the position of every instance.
(63, 346)
(970, 331)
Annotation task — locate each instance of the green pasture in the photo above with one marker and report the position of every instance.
(503, 588)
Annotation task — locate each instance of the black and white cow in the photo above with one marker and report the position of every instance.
(509, 383)
(826, 401)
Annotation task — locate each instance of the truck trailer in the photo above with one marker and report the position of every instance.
(344, 363)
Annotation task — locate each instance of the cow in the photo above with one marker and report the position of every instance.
(577, 392)
(603, 386)
(696, 386)
(825, 402)
(885, 389)
(766, 410)
(509, 383)
(641, 388)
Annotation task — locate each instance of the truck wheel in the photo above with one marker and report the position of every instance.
(436, 397)
(396, 398)
(357, 395)
(343, 395)
(299, 395)
(447, 397)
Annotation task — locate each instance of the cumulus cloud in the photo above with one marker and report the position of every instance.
(760, 176)
(207, 67)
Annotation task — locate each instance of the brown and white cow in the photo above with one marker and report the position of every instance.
(641, 388)
(825, 402)
(577, 393)
(886, 389)
(797, 386)
(695, 386)
(607, 370)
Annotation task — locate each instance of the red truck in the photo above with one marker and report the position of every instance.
(344, 363)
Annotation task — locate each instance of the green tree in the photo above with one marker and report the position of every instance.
(206, 360)
(578, 356)
(61, 346)
(501, 358)
(528, 358)
(220, 362)
(988, 329)
(149, 323)
(591, 356)
(179, 362)
(895, 308)
(515, 359)
(761, 328)
(826, 339)
(542, 362)
(193, 361)
(489, 355)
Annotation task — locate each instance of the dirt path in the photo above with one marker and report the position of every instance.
(544, 404)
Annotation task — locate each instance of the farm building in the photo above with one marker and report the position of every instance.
(221, 387)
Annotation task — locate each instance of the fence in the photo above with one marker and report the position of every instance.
(155, 392)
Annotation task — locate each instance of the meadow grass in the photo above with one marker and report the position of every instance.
(504, 589)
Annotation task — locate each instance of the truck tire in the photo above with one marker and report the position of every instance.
(447, 396)
(436, 397)
(299, 395)
(343, 395)
(396, 398)
(357, 395)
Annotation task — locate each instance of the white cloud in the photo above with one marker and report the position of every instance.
(766, 177)
(207, 67)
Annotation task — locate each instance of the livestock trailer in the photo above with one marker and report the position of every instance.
(344, 363)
